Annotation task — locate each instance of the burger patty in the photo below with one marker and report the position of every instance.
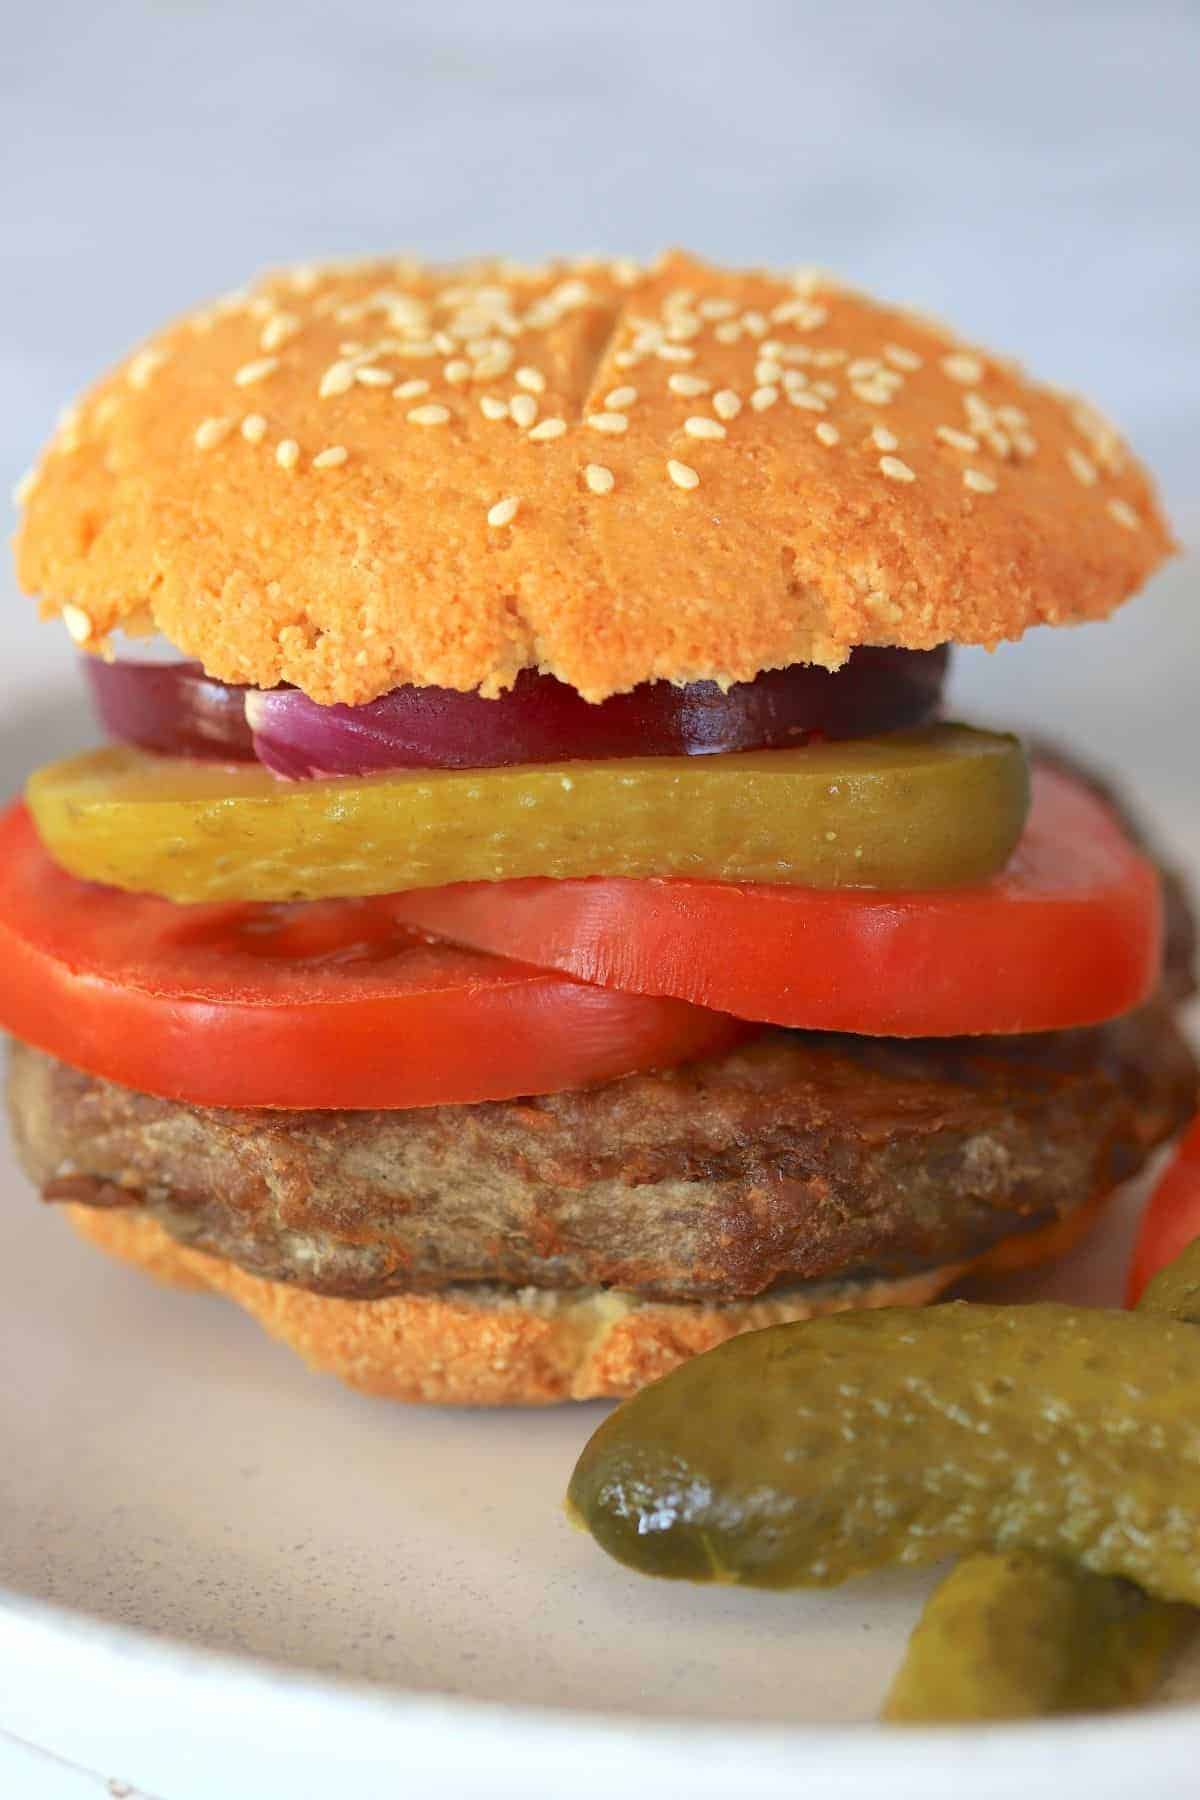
(799, 1157)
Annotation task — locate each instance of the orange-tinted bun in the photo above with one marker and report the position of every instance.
(354, 477)
(497, 1347)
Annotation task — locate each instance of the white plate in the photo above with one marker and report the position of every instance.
(178, 1497)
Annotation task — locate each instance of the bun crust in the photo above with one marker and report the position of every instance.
(471, 1347)
(714, 472)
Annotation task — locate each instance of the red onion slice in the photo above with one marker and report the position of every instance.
(171, 707)
(176, 709)
(543, 720)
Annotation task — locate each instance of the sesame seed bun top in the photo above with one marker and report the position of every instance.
(353, 477)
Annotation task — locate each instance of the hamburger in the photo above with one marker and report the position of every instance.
(539, 922)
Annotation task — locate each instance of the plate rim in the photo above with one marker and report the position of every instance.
(460, 1738)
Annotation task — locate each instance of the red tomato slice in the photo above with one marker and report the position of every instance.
(1069, 934)
(333, 1003)
(1171, 1220)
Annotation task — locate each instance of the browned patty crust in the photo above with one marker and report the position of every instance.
(799, 1157)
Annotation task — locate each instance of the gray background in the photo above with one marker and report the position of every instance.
(1031, 170)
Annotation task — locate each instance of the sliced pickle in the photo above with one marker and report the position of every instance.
(926, 808)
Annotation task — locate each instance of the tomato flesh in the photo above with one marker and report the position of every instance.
(328, 1004)
(1171, 1220)
(1070, 933)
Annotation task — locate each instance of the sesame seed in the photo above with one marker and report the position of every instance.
(754, 323)
(410, 390)
(811, 317)
(333, 458)
(523, 410)
(620, 398)
(826, 389)
(1123, 513)
(829, 359)
(690, 386)
(895, 470)
(958, 440)
(608, 421)
(78, 624)
(1081, 466)
(791, 311)
(497, 362)
(767, 372)
(504, 511)
(807, 398)
(885, 439)
(258, 370)
(254, 428)
(1024, 442)
(599, 479)
(429, 415)
(144, 365)
(716, 308)
(682, 474)
(699, 427)
(873, 392)
(457, 370)
(210, 432)
(1012, 416)
(807, 278)
(337, 379)
(24, 487)
(675, 352)
(726, 404)
(961, 366)
(287, 453)
(999, 441)
(68, 435)
(762, 397)
(862, 367)
(278, 329)
(827, 433)
(443, 343)
(492, 408)
(371, 377)
(547, 430)
(902, 358)
(728, 332)
(532, 380)
(979, 482)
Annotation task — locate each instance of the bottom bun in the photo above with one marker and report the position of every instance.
(526, 1347)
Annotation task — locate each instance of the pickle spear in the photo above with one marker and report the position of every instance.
(915, 809)
(1022, 1635)
(807, 1453)
(1019, 1635)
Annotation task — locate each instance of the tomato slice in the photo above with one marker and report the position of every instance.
(1171, 1220)
(334, 1003)
(1069, 934)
